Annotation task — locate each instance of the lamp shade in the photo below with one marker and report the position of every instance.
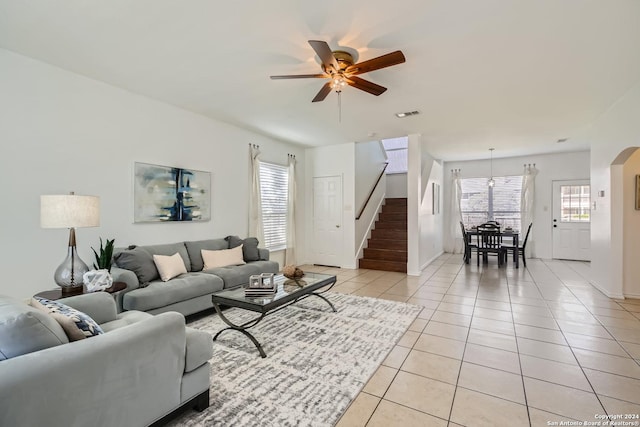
(69, 211)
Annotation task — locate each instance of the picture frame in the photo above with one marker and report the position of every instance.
(170, 194)
(638, 192)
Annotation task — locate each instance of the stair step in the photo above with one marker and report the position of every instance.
(389, 234)
(394, 209)
(374, 264)
(385, 254)
(392, 216)
(396, 201)
(387, 244)
(391, 225)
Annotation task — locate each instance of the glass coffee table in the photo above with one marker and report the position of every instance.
(289, 291)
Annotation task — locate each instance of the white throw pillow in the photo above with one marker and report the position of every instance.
(222, 258)
(169, 266)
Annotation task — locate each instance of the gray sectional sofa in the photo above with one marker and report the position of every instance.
(188, 293)
(138, 371)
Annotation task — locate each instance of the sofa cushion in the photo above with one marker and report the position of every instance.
(250, 250)
(138, 260)
(169, 266)
(160, 294)
(199, 349)
(194, 249)
(76, 324)
(222, 258)
(239, 275)
(25, 329)
(125, 318)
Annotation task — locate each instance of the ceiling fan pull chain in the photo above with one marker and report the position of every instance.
(339, 106)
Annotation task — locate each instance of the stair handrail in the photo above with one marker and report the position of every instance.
(372, 190)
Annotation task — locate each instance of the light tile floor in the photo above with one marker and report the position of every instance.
(500, 347)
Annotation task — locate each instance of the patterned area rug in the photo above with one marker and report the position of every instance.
(317, 361)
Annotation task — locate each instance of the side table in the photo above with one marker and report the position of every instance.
(55, 294)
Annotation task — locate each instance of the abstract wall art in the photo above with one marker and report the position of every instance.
(165, 194)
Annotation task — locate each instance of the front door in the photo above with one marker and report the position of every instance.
(572, 220)
(327, 220)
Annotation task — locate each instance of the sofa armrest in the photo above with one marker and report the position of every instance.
(130, 376)
(126, 276)
(199, 349)
(264, 254)
(100, 306)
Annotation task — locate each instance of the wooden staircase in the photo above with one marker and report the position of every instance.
(387, 247)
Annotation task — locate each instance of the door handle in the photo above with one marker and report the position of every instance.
(337, 226)
(554, 225)
(555, 220)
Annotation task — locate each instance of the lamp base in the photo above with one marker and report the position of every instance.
(69, 274)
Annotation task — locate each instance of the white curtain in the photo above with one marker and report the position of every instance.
(527, 200)
(290, 253)
(255, 204)
(454, 238)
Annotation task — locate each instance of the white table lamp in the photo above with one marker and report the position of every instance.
(70, 211)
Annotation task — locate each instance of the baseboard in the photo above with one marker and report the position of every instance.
(637, 296)
(425, 265)
(612, 294)
(435, 257)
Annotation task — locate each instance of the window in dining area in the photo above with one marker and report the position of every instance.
(575, 201)
(481, 203)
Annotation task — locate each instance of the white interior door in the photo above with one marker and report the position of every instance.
(327, 220)
(572, 220)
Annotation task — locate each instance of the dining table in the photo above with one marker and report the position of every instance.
(506, 232)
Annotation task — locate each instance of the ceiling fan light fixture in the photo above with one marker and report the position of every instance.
(338, 82)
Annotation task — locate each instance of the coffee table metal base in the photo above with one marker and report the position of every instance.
(251, 323)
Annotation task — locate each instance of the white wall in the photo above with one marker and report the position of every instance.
(333, 160)
(551, 167)
(616, 130)
(397, 185)
(370, 159)
(631, 248)
(63, 132)
(424, 229)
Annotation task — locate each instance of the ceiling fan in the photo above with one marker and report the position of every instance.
(339, 67)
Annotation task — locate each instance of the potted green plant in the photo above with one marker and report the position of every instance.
(103, 259)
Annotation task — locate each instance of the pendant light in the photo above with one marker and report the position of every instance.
(491, 181)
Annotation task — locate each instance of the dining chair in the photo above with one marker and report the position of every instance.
(468, 246)
(519, 250)
(490, 243)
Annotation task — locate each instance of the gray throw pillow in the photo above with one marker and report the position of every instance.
(250, 250)
(140, 261)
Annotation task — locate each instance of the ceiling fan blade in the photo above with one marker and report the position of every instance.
(326, 90)
(301, 76)
(393, 58)
(366, 85)
(324, 52)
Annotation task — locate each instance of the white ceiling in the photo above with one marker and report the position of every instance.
(512, 74)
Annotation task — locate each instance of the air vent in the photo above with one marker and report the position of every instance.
(407, 114)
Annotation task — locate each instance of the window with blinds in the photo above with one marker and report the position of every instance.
(481, 203)
(274, 185)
